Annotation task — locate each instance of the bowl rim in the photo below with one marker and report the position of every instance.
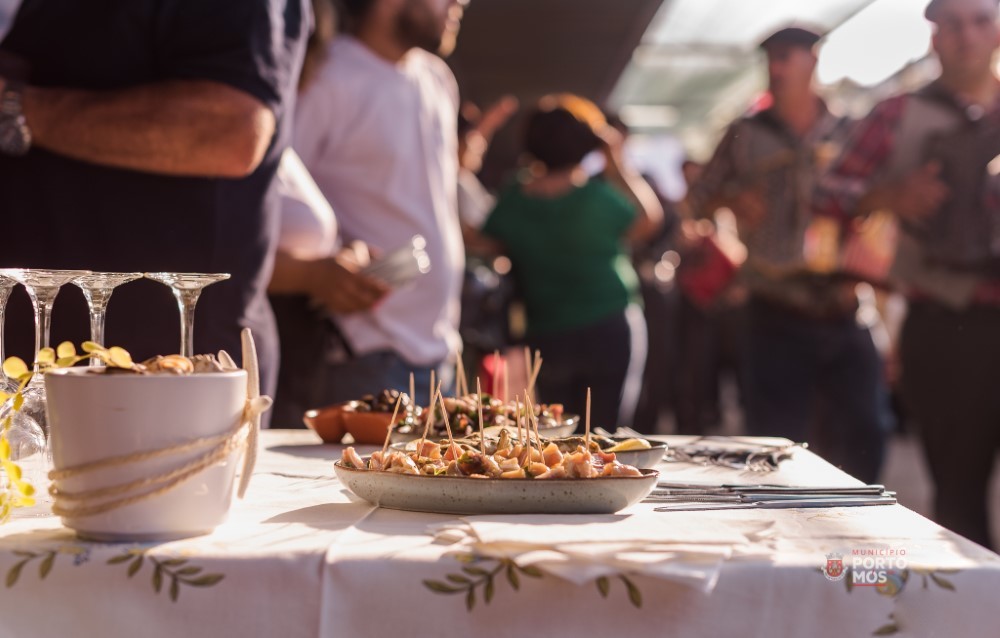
(83, 372)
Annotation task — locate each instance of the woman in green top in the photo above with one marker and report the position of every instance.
(566, 237)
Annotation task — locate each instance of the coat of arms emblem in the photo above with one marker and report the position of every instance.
(834, 569)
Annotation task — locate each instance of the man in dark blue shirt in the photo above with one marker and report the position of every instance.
(142, 135)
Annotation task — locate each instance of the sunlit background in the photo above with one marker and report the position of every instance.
(698, 67)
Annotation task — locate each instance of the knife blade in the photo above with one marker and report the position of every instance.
(778, 504)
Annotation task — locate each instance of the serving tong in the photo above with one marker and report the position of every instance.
(680, 497)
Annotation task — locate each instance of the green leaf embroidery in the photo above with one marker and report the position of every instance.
(46, 565)
(603, 586)
(942, 583)
(206, 581)
(120, 559)
(135, 566)
(475, 571)
(512, 577)
(634, 595)
(15, 572)
(886, 630)
(158, 578)
(188, 571)
(441, 588)
(470, 599)
(175, 589)
(488, 591)
(531, 570)
(457, 578)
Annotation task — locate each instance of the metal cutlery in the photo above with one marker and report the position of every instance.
(785, 503)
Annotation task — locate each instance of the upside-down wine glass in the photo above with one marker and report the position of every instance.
(42, 287)
(6, 286)
(97, 288)
(187, 287)
(29, 427)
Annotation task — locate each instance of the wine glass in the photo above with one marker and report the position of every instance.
(97, 288)
(187, 287)
(6, 286)
(29, 425)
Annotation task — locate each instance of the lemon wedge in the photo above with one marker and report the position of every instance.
(630, 444)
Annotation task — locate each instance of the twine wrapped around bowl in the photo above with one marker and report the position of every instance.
(150, 457)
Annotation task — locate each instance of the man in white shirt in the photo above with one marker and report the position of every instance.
(377, 130)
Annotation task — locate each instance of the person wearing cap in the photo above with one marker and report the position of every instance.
(812, 372)
(929, 158)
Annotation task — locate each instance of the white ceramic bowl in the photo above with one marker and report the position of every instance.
(94, 417)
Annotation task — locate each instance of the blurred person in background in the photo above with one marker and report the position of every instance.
(928, 157)
(315, 275)
(710, 331)
(566, 236)
(654, 259)
(164, 138)
(812, 371)
(377, 131)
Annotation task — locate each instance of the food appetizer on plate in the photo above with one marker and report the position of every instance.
(521, 457)
(462, 415)
(367, 420)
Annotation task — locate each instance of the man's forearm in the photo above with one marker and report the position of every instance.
(195, 128)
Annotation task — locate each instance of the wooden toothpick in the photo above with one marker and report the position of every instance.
(444, 415)
(395, 411)
(482, 435)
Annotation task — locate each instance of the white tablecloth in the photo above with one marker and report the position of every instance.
(301, 557)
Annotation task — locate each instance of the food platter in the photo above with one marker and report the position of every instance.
(466, 495)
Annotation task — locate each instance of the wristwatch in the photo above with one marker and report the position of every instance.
(15, 136)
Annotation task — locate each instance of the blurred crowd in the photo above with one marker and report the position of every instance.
(839, 278)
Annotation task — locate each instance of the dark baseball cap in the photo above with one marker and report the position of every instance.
(792, 36)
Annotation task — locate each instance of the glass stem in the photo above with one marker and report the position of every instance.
(186, 302)
(98, 311)
(42, 300)
(97, 301)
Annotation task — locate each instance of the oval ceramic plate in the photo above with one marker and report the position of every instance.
(463, 495)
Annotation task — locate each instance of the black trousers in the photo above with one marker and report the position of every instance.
(951, 386)
(595, 356)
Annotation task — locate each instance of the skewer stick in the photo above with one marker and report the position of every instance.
(537, 367)
(430, 416)
(395, 411)
(587, 421)
(527, 431)
(534, 423)
(479, 400)
(506, 380)
(413, 396)
(444, 415)
(430, 403)
(517, 417)
(460, 381)
(527, 365)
